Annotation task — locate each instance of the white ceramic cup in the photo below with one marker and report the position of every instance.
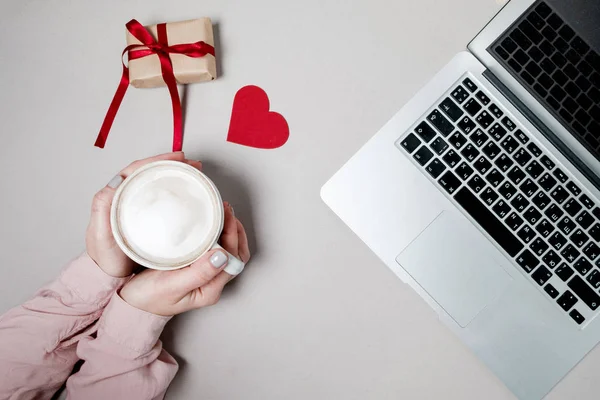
(210, 242)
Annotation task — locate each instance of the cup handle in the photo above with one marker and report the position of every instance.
(234, 266)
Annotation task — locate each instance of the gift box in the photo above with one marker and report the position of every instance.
(164, 55)
(146, 72)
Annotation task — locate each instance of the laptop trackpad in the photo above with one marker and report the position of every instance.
(450, 260)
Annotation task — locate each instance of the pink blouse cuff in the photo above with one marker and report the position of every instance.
(89, 282)
(131, 327)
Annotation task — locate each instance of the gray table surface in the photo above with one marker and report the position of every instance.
(316, 314)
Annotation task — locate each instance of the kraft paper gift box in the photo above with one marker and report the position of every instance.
(146, 72)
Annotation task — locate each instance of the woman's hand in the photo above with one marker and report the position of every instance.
(99, 241)
(198, 285)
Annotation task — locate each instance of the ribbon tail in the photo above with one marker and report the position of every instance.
(169, 78)
(113, 109)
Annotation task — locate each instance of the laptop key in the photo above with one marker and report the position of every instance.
(560, 175)
(557, 241)
(564, 272)
(425, 131)
(472, 106)
(488, 221)
(526, 233)
(460, 94)
(573, 188)
(521, 137)
(584, 292)
(544, 228)
(566, 225)
(592, 251)
(572, 207)
(560, 195)
(466, 124)
(410, 143)
(435, 168)
(585, 219)
(439, 145)
(491, 150)
(451, 158)
(494, 177)
(457, 140)
(519, 202)
(449, 182)
(484, 119)
(497, 132)
(579, 238)
(595, 232)
(567, 300)
(507, 190)
(547, 182)
(551, 259)
(594, 278)
(440, 122)
(470, 152)
(476, 183)
(538, 246)
(570, 254)
(541, 200)
(483, 98)
(423, 155)
(516, 175)
(528, 187)
(501, 209)
(514, 221)
(522, 156)
(547, 162)
(534, 149)
(478, 137)
(551, 290)
(554, 212)
(577, 317)
(508, 124)
(509, 144)
(541, 275)
(504, 162)
(534, 169)
(451, 109)
(482, 165)
(469, 85)
(464, 171)
(489, 196)
(586, 201)
(527, 261)
(532, 215)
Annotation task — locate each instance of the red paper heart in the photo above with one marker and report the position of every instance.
(252, 124)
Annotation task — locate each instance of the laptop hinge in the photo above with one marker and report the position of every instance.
(548, 134)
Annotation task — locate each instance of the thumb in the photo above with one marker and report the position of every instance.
(101, 204)
(202, 271)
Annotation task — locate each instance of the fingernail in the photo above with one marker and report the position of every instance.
(232, 210)
(218, 259)
(115, 181)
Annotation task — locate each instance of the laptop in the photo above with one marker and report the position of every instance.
(482, 192)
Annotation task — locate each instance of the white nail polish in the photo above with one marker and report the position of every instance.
(218, 259)
(115, 181)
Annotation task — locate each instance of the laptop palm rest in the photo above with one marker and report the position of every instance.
(450, 261)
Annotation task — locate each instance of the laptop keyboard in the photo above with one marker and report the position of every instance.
(479, 156)
(558, 67)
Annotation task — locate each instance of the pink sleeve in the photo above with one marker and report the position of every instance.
(38, 338)
(125, 360)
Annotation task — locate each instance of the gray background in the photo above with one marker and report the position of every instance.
(316, 314)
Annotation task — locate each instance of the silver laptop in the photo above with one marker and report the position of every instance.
(482, 192)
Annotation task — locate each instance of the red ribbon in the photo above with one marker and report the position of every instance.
(162, 49)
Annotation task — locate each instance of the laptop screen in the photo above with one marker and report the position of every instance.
(553, 51)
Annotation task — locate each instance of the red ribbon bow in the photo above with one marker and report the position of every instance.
(162, 49)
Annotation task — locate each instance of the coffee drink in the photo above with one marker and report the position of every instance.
(166, 215)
